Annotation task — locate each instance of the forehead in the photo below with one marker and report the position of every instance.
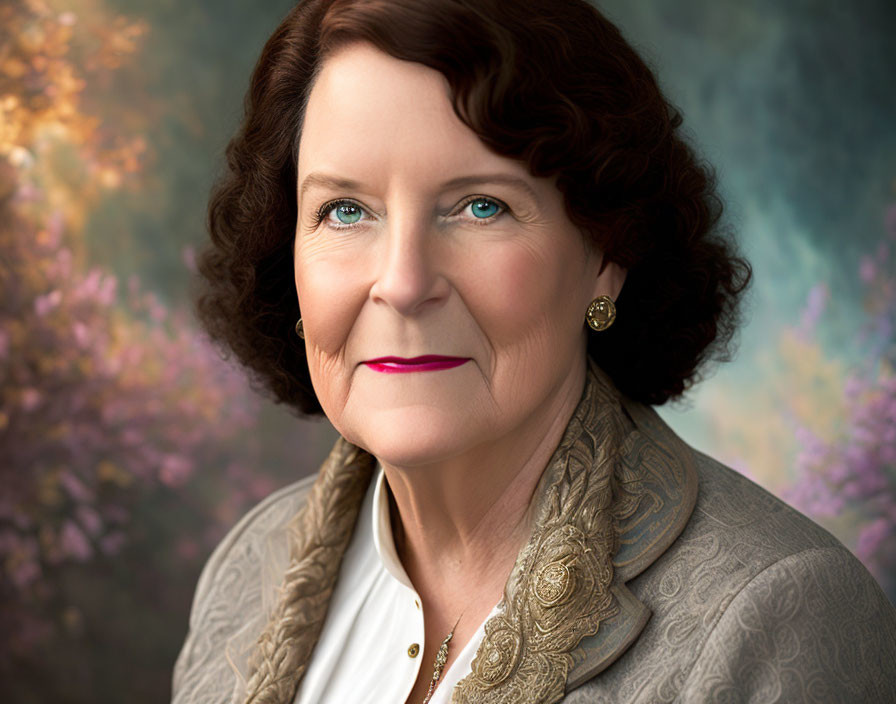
(368, 109)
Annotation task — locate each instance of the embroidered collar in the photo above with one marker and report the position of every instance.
(616, 493)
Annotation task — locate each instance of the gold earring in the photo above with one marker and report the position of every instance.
(601, 313)
(300, 329)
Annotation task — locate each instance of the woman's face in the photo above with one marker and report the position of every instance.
(430, 244)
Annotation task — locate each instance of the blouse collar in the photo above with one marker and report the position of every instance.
(383, 539)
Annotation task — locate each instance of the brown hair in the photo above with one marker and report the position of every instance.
(549, 82)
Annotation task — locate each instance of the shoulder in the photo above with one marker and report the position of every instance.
(232, 596)
(753, 601)
(739, 513)
(245, 543)
(794, 614)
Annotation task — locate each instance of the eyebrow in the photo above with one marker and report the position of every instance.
(324, 180)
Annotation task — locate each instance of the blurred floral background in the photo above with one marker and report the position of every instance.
(128, 447)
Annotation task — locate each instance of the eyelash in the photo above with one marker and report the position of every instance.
(325, 209)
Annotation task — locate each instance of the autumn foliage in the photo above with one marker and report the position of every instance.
(111, 402)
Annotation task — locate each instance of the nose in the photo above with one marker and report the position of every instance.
(410, 275)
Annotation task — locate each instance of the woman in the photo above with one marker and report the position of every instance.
(502, 253)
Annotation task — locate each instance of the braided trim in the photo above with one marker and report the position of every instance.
(319, 535)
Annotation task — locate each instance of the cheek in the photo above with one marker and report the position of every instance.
(528, 309)
(329, 305)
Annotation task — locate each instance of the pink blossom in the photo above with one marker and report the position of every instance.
(30, 399)
(115, 514)
(111, 544)
(62, 266)
(90, 519)
(74, 486)
(871, 537)
(888, 453)
(73, 543)
(816, 303)
(107, 290)
(156, 310)
(27, 192)
(25, 573)
(175, 470)
(188, 255)
(187, 549)
(9, 542)
(132, 437)
(854, 385)
(867, 270)
(260, 485)
(44, 304)
(81, 334)
(21, 558)
(90, 285)
(890, 221)
(54, 228)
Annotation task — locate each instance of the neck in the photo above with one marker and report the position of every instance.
(463, 520)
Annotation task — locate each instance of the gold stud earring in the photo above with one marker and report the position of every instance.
(300, 329)
(601, 313)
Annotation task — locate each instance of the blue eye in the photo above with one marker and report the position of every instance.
(347, 213)
(484, 207)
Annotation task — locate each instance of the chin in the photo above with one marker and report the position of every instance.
(415, 435)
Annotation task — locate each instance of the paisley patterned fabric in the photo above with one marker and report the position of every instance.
(753, 603)
(653, 574)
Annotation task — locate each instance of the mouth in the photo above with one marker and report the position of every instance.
(424, 363)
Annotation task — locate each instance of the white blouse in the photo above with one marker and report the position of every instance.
(370, 648)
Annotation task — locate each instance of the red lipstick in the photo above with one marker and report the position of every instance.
(424, 363)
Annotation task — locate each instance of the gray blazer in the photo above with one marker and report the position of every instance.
(732, 596)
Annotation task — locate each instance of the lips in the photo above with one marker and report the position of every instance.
(423, 363)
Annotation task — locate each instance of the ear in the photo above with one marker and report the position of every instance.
(609, 280)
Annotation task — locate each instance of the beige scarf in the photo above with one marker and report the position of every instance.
(559, 592)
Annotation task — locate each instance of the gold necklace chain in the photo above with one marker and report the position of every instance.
(441, 659)
(439, 664)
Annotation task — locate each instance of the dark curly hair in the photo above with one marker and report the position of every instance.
(551, 83)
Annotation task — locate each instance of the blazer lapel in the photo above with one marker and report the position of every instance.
(663, 466)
